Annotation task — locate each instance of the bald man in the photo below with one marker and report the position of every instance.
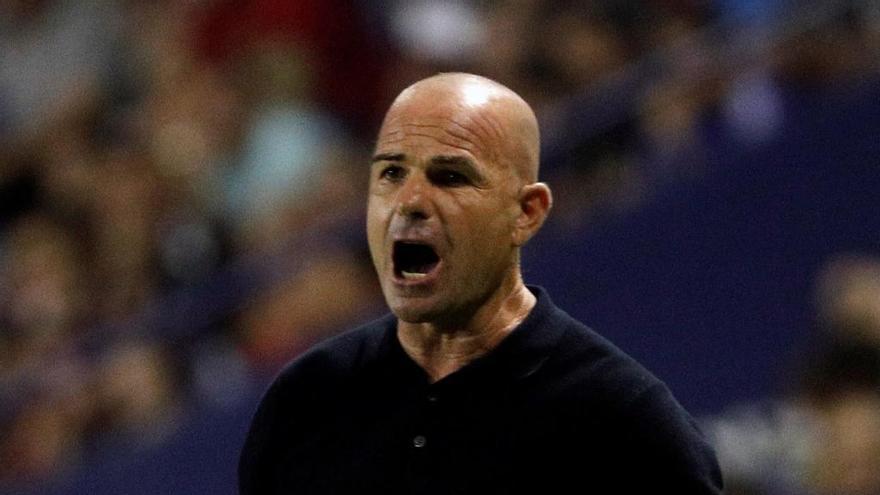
(475, 383)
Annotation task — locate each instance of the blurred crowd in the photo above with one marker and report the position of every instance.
(822, 434)
(207, 160)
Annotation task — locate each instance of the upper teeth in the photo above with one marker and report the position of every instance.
(413, 275)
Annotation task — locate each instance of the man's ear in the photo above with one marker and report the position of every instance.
(535, 201)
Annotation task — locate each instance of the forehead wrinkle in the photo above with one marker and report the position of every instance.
(416, 124)
(479, 148)
(388, 133)
(490, 125)
(492, 153)
(439, 139)
(389, 139)
(485, 116)
(465, 134)
(438, 116)
(482, 134)
(468, 136)
(493, 131)
(511, 130)
(463, 137)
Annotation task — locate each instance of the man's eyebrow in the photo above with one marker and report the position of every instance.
(388, 157)
(458, 160)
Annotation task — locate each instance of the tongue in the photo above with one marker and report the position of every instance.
(422, 267)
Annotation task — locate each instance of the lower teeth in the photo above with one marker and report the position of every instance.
(413, 275)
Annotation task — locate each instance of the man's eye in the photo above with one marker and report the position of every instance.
(449, 178)
(392, 173)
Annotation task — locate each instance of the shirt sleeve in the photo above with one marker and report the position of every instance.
(666, 449)
(258, 446)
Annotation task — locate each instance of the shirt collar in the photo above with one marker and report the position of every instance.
(518, 355)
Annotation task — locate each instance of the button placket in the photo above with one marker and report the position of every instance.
(420, 438)
(419, 441)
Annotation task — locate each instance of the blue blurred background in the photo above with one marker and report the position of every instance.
(182, 192)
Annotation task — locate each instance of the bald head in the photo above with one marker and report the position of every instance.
(489, 115)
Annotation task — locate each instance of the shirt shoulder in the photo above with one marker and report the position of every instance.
(630, 409)
(307, 388)
(337, 358)
(591, 364)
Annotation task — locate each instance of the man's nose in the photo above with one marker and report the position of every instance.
(413, 200)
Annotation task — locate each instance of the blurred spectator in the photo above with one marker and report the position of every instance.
(844, 386)
(838, 47)
(41, 297)
(849, 298)
(124, 207)
(287, 146)
(42, 440)
(45, 386)
(328, 36)
(55, 56)
(333, 291)
(136, 393)
(843, 394)
(444, 33)
(824, 438)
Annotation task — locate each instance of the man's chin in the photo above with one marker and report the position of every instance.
(415, 310)
(413, 315)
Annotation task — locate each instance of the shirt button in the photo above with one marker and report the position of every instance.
(419, 441)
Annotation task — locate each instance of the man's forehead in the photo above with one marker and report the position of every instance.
(453, 120)
(436, 110)
(437, 132)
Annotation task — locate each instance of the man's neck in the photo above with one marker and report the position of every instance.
(443, 351)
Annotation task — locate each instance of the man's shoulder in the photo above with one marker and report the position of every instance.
(629, 406)
(582, 355)
(338, 356)
(595, 367)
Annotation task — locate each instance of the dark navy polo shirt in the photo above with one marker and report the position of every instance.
(554, 407)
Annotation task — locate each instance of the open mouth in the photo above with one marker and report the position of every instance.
(413, 261)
